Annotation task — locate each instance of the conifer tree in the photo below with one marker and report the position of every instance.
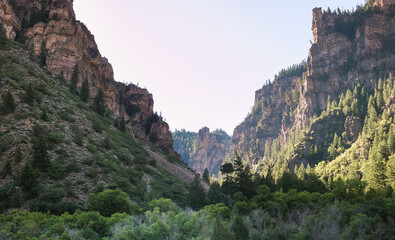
(227, 169)
(85, 92)
(28, 180)
(122, 124)
(206, 175)
(74, 81)
(40, 154)
(7, 170)
(18, 155)
(8, 102)
(214, 194)
(239, 229)
(44, 115)
(99, 104)
(30, 94)
(43, 54)
(196, 194)
(3, 37)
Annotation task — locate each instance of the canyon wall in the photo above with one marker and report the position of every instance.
(50, 28)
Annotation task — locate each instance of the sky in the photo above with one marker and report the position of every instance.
(202, 60)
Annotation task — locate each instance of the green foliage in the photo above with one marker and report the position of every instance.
(8, 103)
(85, 92)
(28, 180)
(74, 81)
(109, 202)
(99, 104)
(3, 37)
(122, 125)
(206, 175)
(40, 154)
(197, 194)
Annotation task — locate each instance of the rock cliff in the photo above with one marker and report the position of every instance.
(50, 29)
(348, 48)
(203, 150)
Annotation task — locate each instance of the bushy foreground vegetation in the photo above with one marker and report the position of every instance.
(342, 213)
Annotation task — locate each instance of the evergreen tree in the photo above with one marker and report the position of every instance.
(107, 143)
(227, 169)
(206, 175)
(7, 170)
(43, 54)
(122, 125)
(8, 102)
(18, 155)
(30, 94)
(221, 232)
(243, 177)
(3, 37)
(239, 229)
(269, 180)
(85, 92)
(40, 154)
(74, 81)
(44, 115)
(28, 180)
(99, 104)
(215, 195)
(196, 194)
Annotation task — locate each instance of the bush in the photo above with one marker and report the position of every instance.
(109, 202)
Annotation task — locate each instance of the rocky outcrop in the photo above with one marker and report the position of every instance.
(203, 150)
(352, 127)
(9, 19)
(50, 28)
(339, 58)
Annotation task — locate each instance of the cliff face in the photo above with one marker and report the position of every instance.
(202, 150)
(348, 48)
(50, 28)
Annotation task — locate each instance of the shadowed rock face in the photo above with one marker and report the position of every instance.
(335, 63)
(50, 27)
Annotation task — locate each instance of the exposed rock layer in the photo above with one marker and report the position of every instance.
(50, 27)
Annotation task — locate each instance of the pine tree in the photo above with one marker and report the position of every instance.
(214, 194)
(18, 155)
(99, 104)
(196, 194)
(8, 102)
(206, 175)
(7, 170)
(227, 169)
(85, 92)
(43, 54)
(239, 229)
(243, 177)
(28, 180)
(44, 115)
(3, 37)
(74, 81)
(30, 94)
(122, 125)
(40, 154)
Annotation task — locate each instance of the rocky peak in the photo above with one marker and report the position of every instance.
(50, 28)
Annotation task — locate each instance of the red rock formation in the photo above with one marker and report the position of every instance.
(50, 26)
(9, 19)
(336, 61)
(211, 151)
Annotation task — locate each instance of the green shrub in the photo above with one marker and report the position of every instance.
(109, 202)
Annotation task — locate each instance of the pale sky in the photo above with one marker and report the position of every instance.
(202, 60)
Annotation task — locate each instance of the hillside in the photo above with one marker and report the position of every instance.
(67, 128)
(297, 118)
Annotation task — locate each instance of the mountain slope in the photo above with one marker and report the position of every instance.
(298, 120)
